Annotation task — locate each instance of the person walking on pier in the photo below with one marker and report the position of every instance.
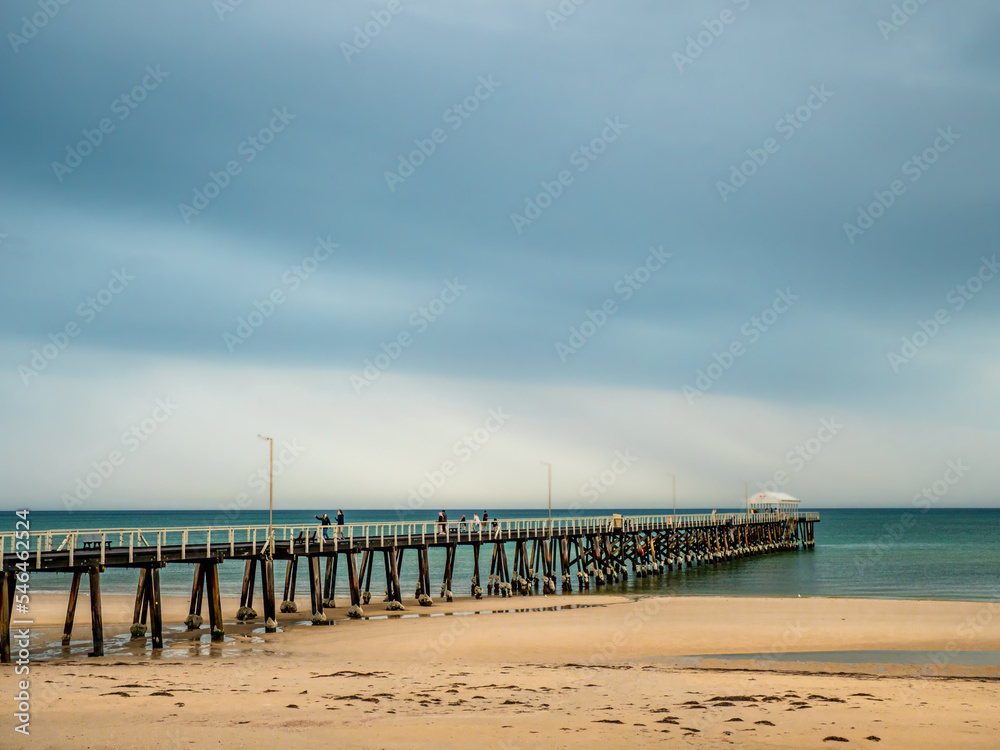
(462, 526)
(340, 524)
(475, 522)
(442, 522)
(324, 521)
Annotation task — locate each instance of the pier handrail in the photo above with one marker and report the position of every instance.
(311, 537)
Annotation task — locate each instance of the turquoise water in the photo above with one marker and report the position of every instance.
(880, 553)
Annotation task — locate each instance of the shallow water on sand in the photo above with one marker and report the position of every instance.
(961, 658)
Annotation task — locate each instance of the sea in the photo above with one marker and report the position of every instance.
(884, 553)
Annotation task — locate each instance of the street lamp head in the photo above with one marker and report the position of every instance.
(263, 437)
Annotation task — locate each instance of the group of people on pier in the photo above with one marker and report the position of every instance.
(325, 522)
(463, 525)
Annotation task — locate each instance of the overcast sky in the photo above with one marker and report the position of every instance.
(730, 240)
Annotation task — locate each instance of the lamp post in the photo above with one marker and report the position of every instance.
(746, 497)
(546, 463)
(270, 499)
(673, 486)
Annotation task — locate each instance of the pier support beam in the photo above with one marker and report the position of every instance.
(6, 612)
(214, 601)
(449, 566)
(288, 601)
(246, 610)
(194, 619)
(367, 561)
(354, 584)
(96, 617)
(74, 592)
(316, 593)
(138, 628)
(330, 584)
(395, 593)
(267, 594)
(155, 607)
(424, 596)
(388, 577)
(477, 588)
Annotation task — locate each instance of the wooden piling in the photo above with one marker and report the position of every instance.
(367, 563)
(246, 592)
(194, 619)
(7, 584)
(476, 584)
(267, 594)
(352, 579)
(214, 601)
(388, 576)
(396, 594)
(96, 618)
(316, 592)
(425, 573)
(140, 601)
(493, 564)
(449, 564)
(330, 586)
(291, 572)
(567, 579)
(74, 591)
(155, 607)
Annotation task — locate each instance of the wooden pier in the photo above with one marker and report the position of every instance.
(524, 557)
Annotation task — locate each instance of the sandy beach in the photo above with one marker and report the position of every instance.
(606, 671)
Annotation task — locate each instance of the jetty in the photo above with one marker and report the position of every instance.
(524, 556)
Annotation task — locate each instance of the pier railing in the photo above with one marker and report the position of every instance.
(313, 538)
